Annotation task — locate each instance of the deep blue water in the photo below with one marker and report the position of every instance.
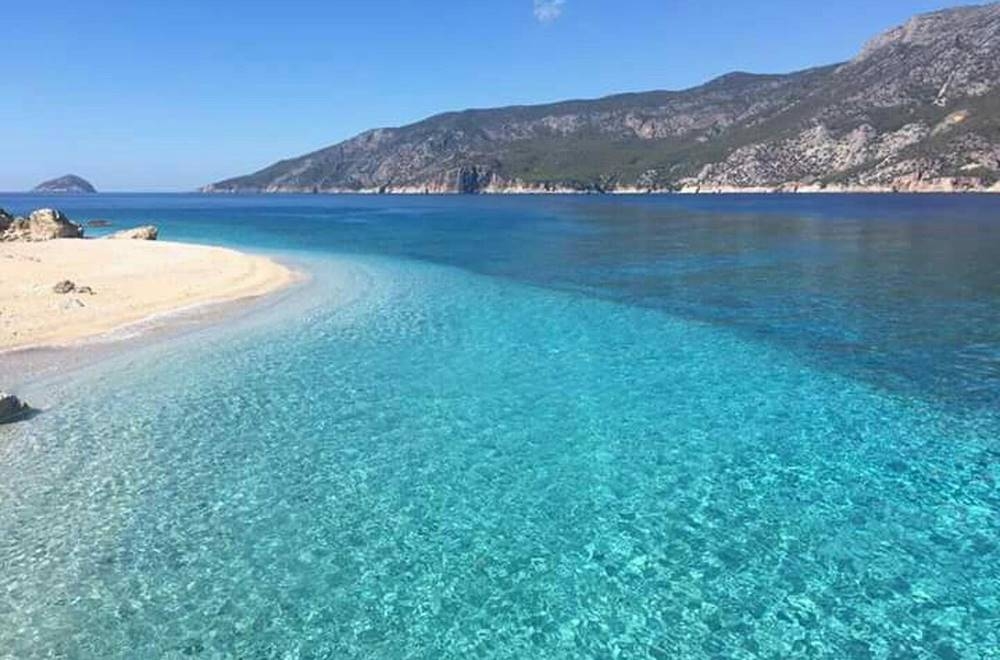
(533, 427)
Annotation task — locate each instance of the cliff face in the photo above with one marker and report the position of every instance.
(65, 184)
(917, 109)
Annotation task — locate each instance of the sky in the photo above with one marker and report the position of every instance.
(168, 96)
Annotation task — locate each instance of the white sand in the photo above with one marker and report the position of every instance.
(132, 280)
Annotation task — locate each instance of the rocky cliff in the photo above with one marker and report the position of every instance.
(917, 109)
(65, 184)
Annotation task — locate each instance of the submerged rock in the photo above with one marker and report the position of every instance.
(12, 408)
(41, 225)
(145, 233)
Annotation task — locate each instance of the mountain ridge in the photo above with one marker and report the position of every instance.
(917, 109)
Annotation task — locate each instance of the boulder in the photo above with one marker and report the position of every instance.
(41, 225)
(12, 408)
(146, 233)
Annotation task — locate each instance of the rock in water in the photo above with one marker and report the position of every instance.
(42, 225)
(70, 183)
(12, 408)
(146, 233)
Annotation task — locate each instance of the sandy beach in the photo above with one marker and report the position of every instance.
(130, 281)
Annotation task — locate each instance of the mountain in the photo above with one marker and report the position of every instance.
(917, 109)
(65, 184)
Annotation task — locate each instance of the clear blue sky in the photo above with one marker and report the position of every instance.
(138, 95)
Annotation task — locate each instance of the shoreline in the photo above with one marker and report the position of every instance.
(136, 285)
(33, 370)
(42, 375)
(706, 191)
(624, 191)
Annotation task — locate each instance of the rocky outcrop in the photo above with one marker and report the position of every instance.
(12, 408)
(918, 109)
(41, 225)
(145, 233)
(69, 183)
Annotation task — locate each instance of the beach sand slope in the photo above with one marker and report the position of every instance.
(130, 280)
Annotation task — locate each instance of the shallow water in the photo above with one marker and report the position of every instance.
(533, 428)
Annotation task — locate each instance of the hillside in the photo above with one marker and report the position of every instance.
(917, 109)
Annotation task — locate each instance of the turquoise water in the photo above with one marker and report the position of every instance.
(648, 428)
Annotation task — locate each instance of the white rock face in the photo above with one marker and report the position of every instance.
(146, 233)
(41, 225)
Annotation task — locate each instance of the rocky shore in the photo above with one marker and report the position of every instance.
(932, 186)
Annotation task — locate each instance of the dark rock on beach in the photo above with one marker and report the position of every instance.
(66, 286)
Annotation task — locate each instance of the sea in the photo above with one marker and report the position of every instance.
(758, 426)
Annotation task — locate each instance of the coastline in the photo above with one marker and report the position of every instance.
(45, 375)
(933, 188)
(135, 284)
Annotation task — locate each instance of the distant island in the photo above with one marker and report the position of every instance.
(917, 110)
(70, 183)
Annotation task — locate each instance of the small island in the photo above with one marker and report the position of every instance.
(70, 183)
